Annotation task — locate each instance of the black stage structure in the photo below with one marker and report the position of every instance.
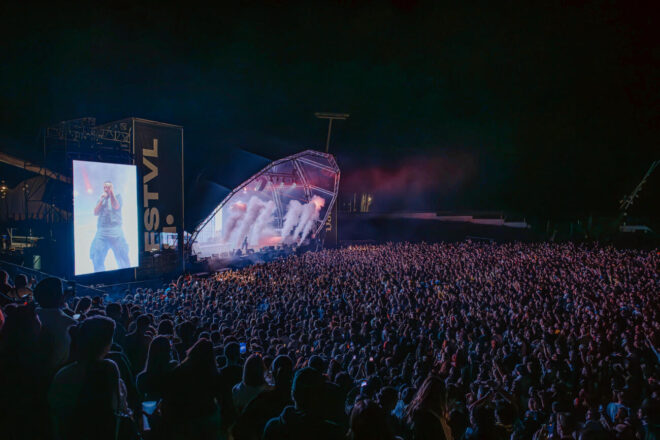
(157, 150)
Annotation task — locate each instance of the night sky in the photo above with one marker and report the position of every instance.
(548, 111)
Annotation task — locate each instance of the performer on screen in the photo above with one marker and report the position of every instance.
(109, 232)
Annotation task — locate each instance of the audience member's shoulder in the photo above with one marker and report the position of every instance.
(334, 430)
(273, 429)
(68, 373)
(53, 312)
(110, 367)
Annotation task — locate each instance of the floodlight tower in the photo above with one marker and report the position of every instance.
(330, 117)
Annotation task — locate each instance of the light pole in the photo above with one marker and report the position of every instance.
(330, 117)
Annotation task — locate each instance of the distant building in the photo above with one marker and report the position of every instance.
(359, 202)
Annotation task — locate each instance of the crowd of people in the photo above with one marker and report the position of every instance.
(398, 341)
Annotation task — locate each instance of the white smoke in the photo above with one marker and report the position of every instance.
(303, 217)
(291, 217)
(236, 213)
(261, 227)
(307, 213)
(254, 207)
(309, 224)
(253, 220)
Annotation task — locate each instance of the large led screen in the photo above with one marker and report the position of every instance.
(105, 216)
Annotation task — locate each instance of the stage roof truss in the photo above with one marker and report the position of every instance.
(304, 178)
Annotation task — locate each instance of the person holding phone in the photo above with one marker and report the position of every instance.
(269, 403)
(191, 394)
(109, 231)
(151, 380)
(305, 419)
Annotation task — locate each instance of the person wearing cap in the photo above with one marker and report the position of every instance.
(304, 420)
(54, 322)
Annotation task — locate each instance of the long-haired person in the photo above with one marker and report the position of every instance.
(268, 404)
(368, 421)
(252, 384)
(427, 413)
(151, 381)
(189, 405)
